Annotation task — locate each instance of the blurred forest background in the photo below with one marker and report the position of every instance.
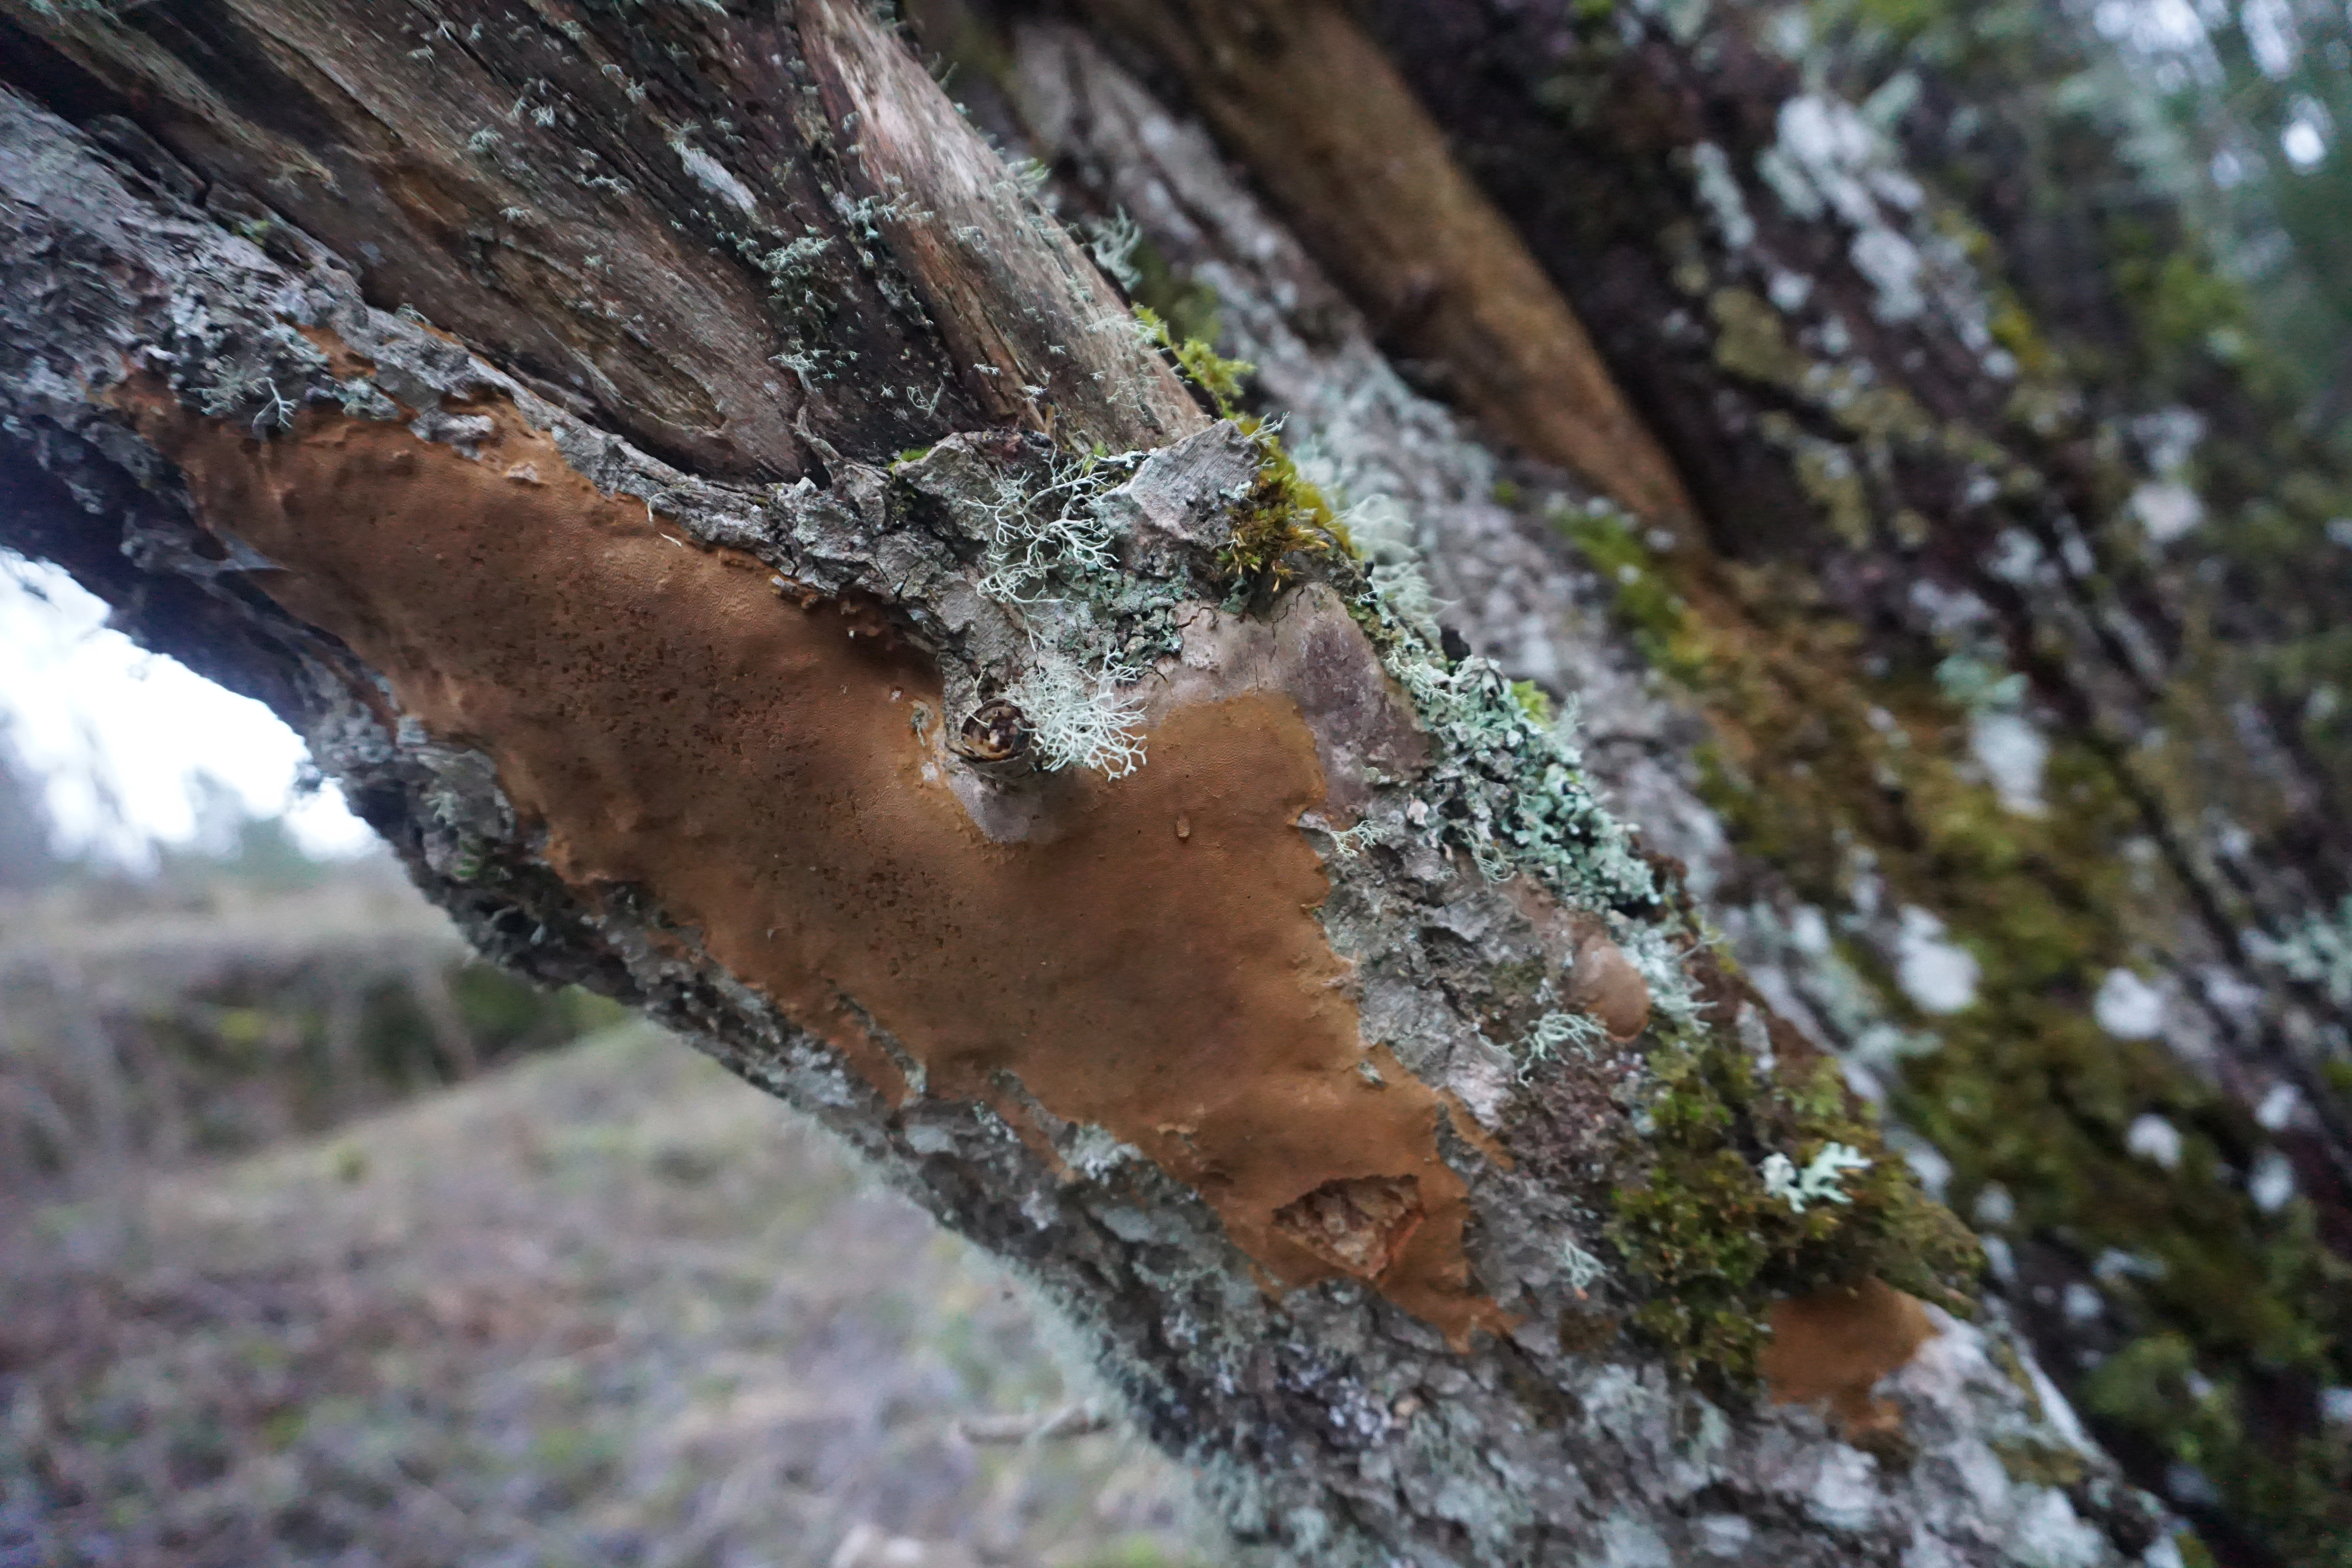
(2243, 111)
(321, 1243)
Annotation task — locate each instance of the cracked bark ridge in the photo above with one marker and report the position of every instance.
(1069, 360)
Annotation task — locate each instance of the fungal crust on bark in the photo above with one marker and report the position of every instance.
(756, 766)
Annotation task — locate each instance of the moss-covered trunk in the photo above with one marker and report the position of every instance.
(2004, 609)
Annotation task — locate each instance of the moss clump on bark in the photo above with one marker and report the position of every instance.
(1716, 1242)
(1284, 517)
(1198, 360)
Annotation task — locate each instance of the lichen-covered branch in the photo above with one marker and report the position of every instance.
(1063, 806)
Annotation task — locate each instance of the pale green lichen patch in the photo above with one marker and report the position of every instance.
(1504, 789)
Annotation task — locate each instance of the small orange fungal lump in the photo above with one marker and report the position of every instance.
(677, 726)
(1604, 982)
(1835, 1345)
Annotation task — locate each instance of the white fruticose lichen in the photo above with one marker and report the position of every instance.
(1655, 951)
(1346, 843)
(1582, 1269)
(1406, 591)
(1821, 1180)
(1052, 533)
(1050, 559)
(1077, 720)
(1111, 242)
(241, 387)
(1505, 783)
(791, 267)
(1557, 1031)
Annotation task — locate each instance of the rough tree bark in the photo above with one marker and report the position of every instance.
(728, 536)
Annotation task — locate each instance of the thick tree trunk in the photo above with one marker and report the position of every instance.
(2008, 622)
(733, 542)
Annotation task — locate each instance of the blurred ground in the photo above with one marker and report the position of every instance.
(606, 1306)
(220, 1004)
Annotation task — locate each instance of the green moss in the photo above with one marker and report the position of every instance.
(2154, 1384)
(1284, 514)
(2031, 1462)
(1197, 358)
(1717, 1246)
(2182, 302)
(2225, 1305)
(1826, 471)
(1283, 518)
(1645, 601)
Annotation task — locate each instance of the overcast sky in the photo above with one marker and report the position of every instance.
(96, 717)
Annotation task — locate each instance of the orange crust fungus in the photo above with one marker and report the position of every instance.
(1835, 1345)
(677, 725)
(1604, 982)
